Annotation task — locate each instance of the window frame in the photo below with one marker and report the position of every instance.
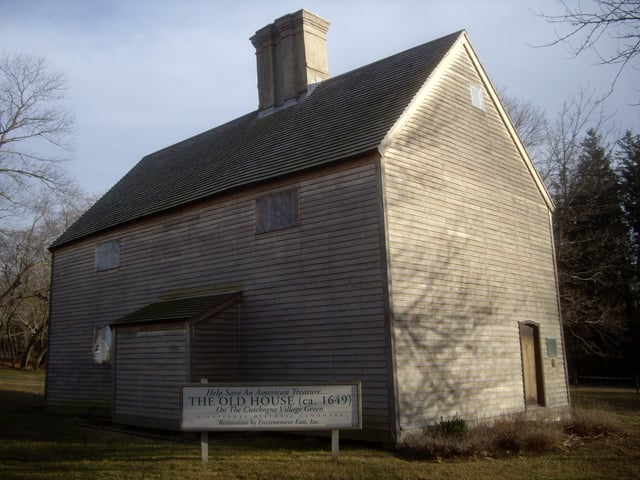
(277, 211)
(477, 97)
(107, 255)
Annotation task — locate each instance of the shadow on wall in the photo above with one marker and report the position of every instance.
(456, 310)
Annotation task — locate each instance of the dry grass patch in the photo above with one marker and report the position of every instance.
(592, 422)
(517, 434)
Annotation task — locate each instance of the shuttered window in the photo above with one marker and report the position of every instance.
(277, 211)
(107, 255)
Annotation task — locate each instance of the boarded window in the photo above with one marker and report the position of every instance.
(108, 255)
(277, 211)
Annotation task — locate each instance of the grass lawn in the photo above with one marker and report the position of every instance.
(38, 444)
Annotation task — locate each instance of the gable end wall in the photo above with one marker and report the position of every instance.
(470, 249)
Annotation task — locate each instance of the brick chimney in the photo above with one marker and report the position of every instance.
(291, 55)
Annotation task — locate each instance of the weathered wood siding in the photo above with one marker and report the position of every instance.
(312, 307)
(150, 362)
(215, 347)
(470, 249)
(75, 311)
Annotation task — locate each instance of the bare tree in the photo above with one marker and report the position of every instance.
(588, 28)
(25, 274)
(23, 285)
(35, 129)
(594, 254)
(578, 114)
(37, 200)
(532, 126)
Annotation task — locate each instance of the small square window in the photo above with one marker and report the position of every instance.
(477, 97)
(108, 255)
(277, 211)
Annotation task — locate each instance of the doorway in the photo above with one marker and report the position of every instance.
(531, 364)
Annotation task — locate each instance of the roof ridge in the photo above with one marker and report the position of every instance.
(455, 34)
(345, 116)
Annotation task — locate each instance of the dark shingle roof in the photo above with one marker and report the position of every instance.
(344, 116)
(182, 309)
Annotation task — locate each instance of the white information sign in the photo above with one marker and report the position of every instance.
(210, 407)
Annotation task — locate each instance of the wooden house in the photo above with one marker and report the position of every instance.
(385, 225)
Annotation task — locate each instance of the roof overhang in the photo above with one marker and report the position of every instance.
(190, 309)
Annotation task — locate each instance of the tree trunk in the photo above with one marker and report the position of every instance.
(32, 343)
(40, 359)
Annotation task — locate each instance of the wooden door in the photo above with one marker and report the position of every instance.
(531, 364)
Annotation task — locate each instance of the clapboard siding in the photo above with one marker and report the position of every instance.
(427, 255)
(470, 252)
(312, 306)
(150, 365)
(215, 344)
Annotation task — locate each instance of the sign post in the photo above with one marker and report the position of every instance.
(204, 438)
(204, 446)
(280, 407)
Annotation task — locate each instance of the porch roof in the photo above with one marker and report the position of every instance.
(191, 309)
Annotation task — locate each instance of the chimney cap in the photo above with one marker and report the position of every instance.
(302, 17)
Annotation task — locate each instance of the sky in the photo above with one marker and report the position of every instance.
(144, 74)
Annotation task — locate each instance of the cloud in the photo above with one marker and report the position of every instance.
(145, 74)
